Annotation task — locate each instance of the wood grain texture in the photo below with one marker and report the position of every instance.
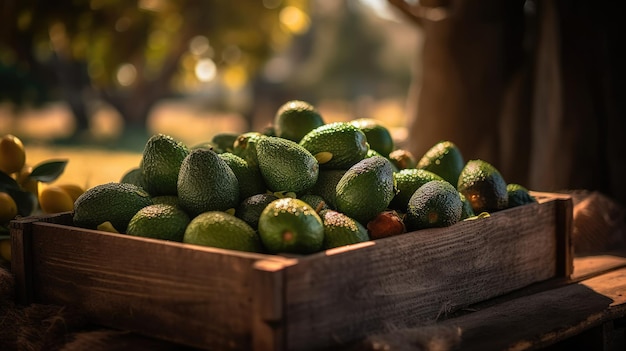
(418, 278)
(182, 293)
(588, 266)
(526, 323)
(268, 324)
(221, 299)
(21, 251)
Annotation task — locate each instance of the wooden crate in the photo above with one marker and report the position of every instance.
(221, 299)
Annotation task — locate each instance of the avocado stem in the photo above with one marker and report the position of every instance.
(319, 207)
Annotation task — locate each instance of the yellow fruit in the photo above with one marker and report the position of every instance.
(25, 182)
(73, 190)
(5, 249)
(12, 154)
(8, 207)
(53, 199)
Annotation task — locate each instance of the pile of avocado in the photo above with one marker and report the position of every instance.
(298, 187)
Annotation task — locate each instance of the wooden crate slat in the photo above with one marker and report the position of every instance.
(221, 299)
(268, 322)
(380, 287)
(525, 323)
(21, 246)
(172, 291)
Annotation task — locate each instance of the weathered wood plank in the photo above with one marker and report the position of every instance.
(21, 247)
(268, 323)
(221, 299)
(564, 225)
(183, 293)
(21, 265)
(379, 287)
(525, 323)
(589, 266)
(548, 317)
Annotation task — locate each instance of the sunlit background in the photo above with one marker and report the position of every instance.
(103, 72)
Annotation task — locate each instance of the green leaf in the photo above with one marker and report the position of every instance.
(7, 183)
(48, 171)
(25, 201)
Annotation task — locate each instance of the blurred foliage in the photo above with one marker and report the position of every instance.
(354, 64)
(249, 56)
(132, 53)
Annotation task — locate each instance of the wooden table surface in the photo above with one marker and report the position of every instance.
(588, 310)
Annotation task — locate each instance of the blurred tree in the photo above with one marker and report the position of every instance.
(341, 55)
(132, 54)
(349, 53)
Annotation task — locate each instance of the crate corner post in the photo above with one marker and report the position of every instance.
(565, 226)
(268, 315)
(21, 258)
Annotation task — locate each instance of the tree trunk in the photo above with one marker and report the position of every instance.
(542, 99)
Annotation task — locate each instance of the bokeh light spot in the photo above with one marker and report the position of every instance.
(199, 45)
(294, 19)
(205, 70)
(126, 74)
